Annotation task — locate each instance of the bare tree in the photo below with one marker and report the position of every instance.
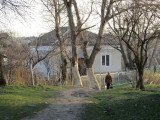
(74, 33)
(140, 27)
(153, 54)
(76, 29)
(116, 41)
(9, 7)
(55, 8)
(2, 80)
(35, 56)
(48, 65)
(92, 82)
(14, 9)
(105, 15)
(15, 54)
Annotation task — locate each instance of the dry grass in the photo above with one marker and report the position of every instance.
(151, 78)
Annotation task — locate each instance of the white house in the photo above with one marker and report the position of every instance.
(107, 60)
(44, 67)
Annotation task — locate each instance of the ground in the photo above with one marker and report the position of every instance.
(69, 106)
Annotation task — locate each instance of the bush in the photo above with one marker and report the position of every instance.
(151, 77)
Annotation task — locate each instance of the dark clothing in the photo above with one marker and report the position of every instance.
(108, 80)
(108, 85)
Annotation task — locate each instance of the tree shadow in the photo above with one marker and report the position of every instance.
(127, 106)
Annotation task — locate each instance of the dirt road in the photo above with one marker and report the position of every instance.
(69, 106)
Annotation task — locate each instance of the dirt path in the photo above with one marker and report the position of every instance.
(69, 106)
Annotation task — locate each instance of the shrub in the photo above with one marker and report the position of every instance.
(151, 77)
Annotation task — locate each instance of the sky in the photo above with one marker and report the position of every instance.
(34, 27)
(34, 24)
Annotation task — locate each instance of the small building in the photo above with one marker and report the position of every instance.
(107, 60)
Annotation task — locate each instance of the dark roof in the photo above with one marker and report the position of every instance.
(88, 36)
(49, 38)
(109, 39)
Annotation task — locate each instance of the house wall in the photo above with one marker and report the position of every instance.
(115, 60)
(41, 67)
(51, 63)
(114, 66)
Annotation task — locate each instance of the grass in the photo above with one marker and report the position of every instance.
(124, 103)
(19, 101)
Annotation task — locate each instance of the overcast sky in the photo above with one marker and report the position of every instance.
(34, 25)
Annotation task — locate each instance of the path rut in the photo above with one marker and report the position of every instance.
(69, 106)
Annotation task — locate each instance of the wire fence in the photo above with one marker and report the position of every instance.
(119, 78)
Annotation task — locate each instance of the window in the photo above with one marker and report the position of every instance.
(105, 60)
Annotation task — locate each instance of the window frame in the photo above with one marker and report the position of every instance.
(104, 57)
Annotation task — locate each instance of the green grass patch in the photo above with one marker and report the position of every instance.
(124, 103)
(19, 101)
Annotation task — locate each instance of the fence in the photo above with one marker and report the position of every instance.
(118, 78)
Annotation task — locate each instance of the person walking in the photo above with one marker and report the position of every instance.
(108, 80)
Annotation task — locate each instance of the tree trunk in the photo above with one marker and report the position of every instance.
(75, 69)
(2, 80)
(153, 53)
(130, 60)
(62, 46)
(10, 71)
(48, 76)
(123, 54)
(64, 61)
(92, 81)
(32, 73)
(71, 76)
(73, 31)
(64, 71)
(76, 75)
(140, 83)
